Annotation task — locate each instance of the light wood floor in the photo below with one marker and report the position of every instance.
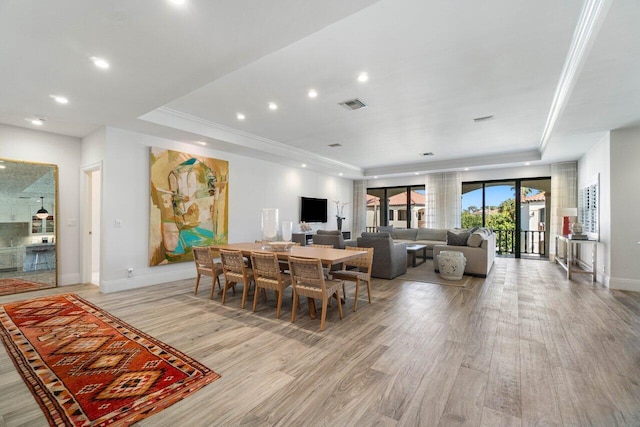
(522, 347)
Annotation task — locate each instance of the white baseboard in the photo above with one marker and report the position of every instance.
(127, 283)
(624, 284)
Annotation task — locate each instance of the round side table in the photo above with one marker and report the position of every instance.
(451, 264)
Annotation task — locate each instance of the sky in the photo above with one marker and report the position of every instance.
(495, 195)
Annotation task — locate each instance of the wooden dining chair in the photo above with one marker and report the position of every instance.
(357, 270)
(235, 271)
(307, 279)
(206, 266)
(267, 275)
(327, 270)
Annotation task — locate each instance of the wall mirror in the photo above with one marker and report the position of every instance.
(28, 226)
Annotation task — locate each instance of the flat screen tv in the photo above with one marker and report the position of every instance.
(313, 210)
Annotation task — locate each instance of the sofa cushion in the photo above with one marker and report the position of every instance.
(385, 228)
(477, 237)
(432, 234)
(381, 235)
(457, 239)
(404, 234)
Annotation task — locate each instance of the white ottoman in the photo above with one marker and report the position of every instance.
(451, 264)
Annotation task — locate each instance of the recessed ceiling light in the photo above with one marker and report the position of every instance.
(273, 106)
(37, 122)
(340, 174)
(304, 165)
(59, 99)
(202, 143)
(417, 173)
(527, 163)
(466, 169)
(312, 93)
(3, 167)
(375, 177)
(99, 62)
(240, 116)
(363, 77)
(178, 2)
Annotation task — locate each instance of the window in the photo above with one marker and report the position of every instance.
(382, 204)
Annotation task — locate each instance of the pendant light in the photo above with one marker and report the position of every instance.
(42, 212)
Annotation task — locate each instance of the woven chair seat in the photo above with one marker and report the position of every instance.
(206, 265)
(349, 274)
(268, 275)
(357, 270)
(235, 271)
(309, 281)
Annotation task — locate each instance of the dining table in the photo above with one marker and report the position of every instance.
(327, 256)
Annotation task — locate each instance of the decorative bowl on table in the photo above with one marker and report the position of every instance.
(279, 246)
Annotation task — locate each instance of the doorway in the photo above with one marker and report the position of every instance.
(92, 221)
(517, 210)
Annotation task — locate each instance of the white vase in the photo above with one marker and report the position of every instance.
(287, 230)
(451, 265)
(269, 224)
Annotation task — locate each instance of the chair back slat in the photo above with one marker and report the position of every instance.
(265, 265)
(363, 261)
(232, 261)
(202, 257)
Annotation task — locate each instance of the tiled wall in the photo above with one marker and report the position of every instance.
(16, 231)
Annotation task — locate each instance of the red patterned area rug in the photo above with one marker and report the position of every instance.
(14, 286)
(86, 367)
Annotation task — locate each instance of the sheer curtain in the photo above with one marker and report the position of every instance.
(443, 200)
(359, 207)
(564, 194)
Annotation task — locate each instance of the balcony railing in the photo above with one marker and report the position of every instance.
(531, 242)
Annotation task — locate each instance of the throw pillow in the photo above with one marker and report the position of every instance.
(457, 239)
(475, 239)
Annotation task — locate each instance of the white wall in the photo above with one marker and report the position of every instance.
(253, 184)
(625, 206)
(42, 147)
(594, 162)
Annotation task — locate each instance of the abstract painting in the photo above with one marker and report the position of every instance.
(189, 204)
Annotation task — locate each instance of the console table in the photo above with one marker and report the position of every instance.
(306, 238)
(569, 261)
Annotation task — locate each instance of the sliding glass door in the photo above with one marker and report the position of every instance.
(401, 207)
(517, 211)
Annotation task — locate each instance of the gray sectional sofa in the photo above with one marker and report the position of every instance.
(478, 246)
(389, 257)
(480, 252)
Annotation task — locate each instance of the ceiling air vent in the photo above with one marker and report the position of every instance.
(427, 154)
(335, 145)
(482, 119)
(353, 104)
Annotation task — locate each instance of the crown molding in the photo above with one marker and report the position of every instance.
(186, 122)
(458, 164)
(589, 23)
